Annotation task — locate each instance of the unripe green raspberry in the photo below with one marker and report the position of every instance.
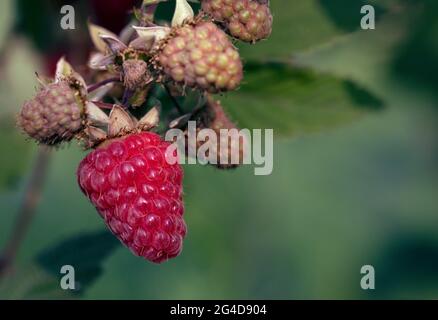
(55, 115)
(200, 55)
(246, 20)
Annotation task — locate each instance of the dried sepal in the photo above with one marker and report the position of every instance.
(114, 44)
(93, 136)
(183, 13)
(95, 33)
(147, 3)
(63, 70)
(180, 122)
(150, 120)
(95, 115)
(42, 80)
(154, 34)
(127, 33)
(99, 61)
(143, 43)
(146, 13)
(120, 122)
(98, 94)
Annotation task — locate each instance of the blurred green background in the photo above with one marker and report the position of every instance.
(355, 165)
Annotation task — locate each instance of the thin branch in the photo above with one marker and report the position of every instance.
(127, 95)
(27, 210)
(102, 83)
(103, 105)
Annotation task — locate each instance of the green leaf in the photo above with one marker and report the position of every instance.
(297, 25)
(294, 100)
(85, 252)
(14, 160)
(300, 25)
(31, 283)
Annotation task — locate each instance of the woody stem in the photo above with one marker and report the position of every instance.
(27, 210)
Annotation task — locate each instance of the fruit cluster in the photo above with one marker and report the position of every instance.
(127, 176)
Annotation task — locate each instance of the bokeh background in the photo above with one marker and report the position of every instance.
(355, 164)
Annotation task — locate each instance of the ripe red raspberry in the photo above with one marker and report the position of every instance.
(138, 194)
(246, 20)
(201, 55)
(55, 115)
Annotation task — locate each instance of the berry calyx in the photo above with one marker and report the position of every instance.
(138, 194)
